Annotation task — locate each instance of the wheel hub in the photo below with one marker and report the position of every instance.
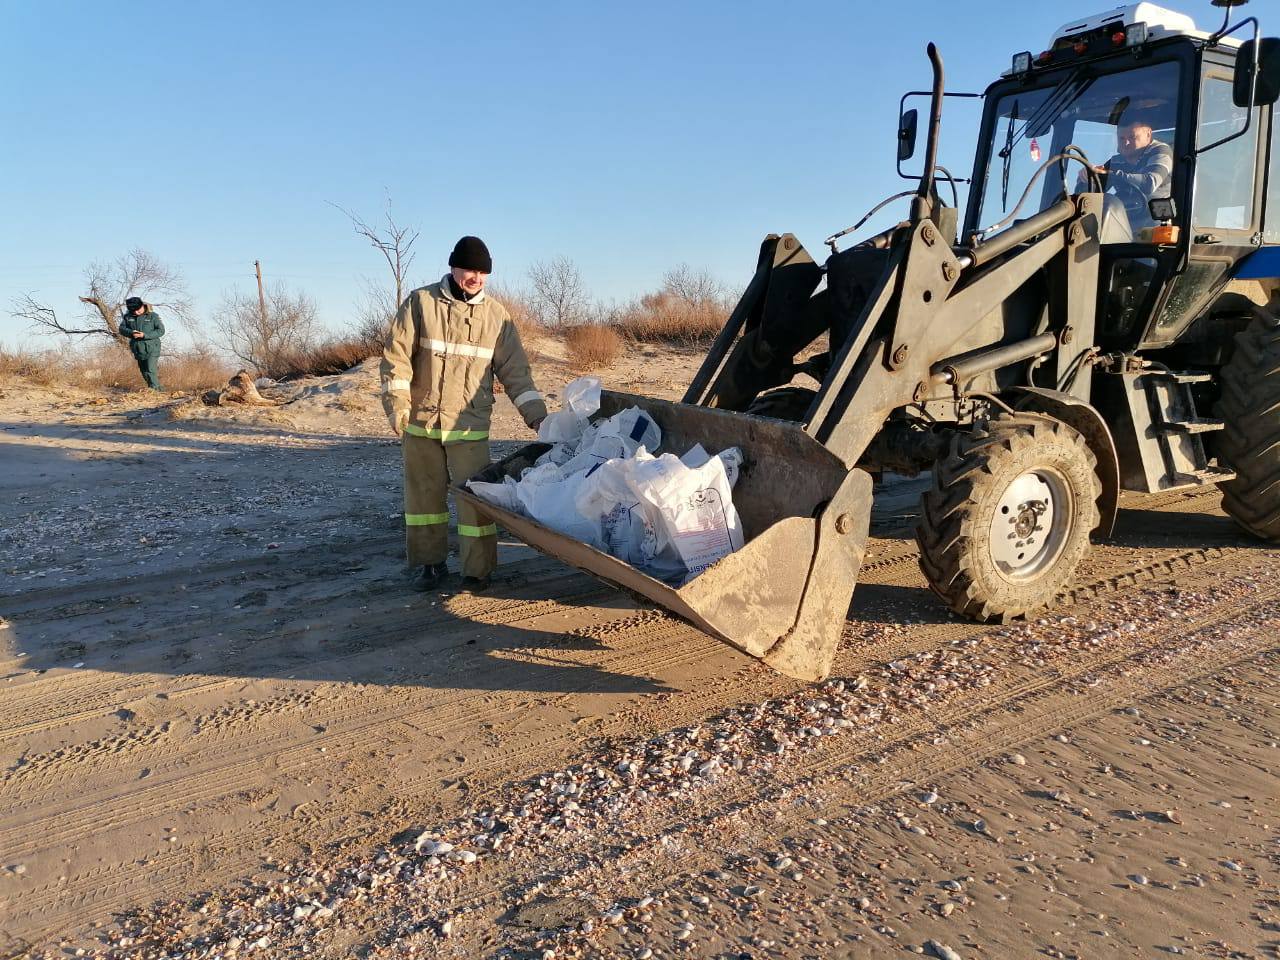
(1027, 526)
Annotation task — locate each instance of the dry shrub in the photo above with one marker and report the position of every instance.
(592, 345)
(663, 317)
(38, 367)
(323, 359)
(521, 309)
(104, 365)
(374, 316)
(108, 365)
(193, 369)
(101, 365)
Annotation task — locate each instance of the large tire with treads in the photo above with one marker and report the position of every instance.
(1250, 441)
(785, 403)
(1009, 516)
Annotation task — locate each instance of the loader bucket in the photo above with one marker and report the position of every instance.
(784, 596)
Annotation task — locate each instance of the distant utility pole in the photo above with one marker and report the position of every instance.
(262, 299)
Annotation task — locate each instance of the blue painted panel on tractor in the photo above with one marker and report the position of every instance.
(1260, 265)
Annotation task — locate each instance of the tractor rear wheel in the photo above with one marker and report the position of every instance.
(785, 403)
(1250, 441)
(1009, 516)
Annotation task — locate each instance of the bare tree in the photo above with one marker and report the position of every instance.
(559, 297)
(694, 287)
(394, 242)
(264, 342)
(374, 316)
(40, 315)
(136, 274)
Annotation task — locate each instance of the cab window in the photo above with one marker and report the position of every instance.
(1225, 182)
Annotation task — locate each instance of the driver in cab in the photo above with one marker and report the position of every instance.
(1138, 172)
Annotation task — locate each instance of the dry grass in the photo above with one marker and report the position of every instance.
(592, 346)
(100, 366)
(323, 359)
(664, 318)
(522, 313)
(41, 368)
(193, 369)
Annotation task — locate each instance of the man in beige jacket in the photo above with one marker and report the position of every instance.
(447, 342)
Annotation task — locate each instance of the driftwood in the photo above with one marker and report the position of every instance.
(239, 389)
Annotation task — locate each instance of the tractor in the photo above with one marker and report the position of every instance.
(1102, 317)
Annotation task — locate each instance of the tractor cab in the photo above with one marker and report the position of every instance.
(1172, 125)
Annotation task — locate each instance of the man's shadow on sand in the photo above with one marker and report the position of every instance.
(325, 612)
(294, 617)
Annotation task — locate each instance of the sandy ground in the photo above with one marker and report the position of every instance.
(230, 729)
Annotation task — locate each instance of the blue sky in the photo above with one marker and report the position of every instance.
(627, 137)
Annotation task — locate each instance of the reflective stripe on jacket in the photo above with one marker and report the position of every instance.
(442, 353)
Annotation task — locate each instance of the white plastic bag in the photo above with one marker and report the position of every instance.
(628, 527)
(581, 401)
(563, 426)
(626, 432)
(504, 494)
(618, 437)
(697, 456)
(582, 396)
(669, 517)
(693, 508)
(559, 454)
(604, 497)
(548, 496)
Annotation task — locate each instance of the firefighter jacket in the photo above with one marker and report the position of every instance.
(440, 358)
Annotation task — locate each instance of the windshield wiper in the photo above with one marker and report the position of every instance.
(1056, 104)
(1070, 89)
(1007, 154)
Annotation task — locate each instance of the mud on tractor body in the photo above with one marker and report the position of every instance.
(1063, 342)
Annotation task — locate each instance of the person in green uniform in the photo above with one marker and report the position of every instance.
(143, 329)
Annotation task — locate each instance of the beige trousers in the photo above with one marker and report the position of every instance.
(429, 465)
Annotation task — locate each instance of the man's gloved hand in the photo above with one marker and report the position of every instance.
(536, 424)
(397, 410)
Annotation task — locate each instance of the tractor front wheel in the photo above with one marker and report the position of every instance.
(1009, 516)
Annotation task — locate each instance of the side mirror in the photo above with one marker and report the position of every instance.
(1265, 54)
(907, 134)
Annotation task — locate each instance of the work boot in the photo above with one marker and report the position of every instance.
(432, 576)
(476, 584)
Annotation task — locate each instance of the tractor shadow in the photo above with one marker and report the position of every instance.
(1164, 533)
(1138, 527)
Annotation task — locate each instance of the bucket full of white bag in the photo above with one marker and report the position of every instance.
(743, 525)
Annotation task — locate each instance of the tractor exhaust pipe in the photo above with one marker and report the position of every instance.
(922, 206)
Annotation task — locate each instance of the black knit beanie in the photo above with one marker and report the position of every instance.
(470, 253)
(132, 304)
